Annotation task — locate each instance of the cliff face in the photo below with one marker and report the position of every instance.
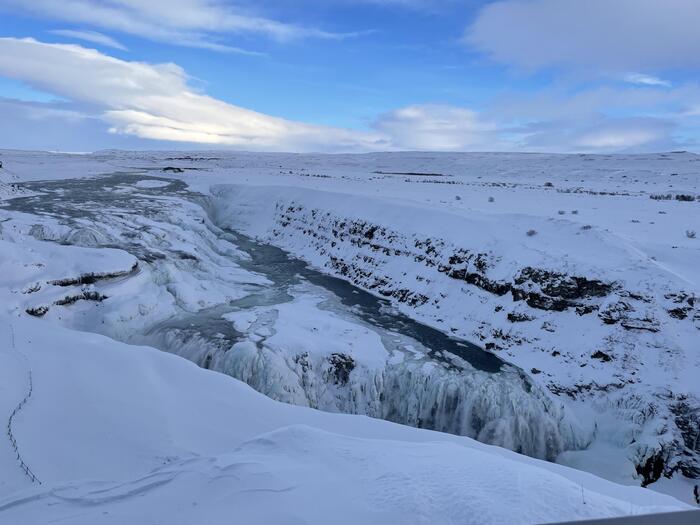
(601, 328)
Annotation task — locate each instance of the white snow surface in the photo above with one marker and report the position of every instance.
(122, 433)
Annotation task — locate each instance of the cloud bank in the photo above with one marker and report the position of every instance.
(155, 102)
(613, 35)
(194, 23)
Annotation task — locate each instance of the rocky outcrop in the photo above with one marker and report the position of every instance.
(87, 295)
(93, 277)
(686, 414)
(654, 466)
(37, 311)
(539, 288)
(550, 290)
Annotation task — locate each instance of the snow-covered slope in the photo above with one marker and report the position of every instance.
(118, 433)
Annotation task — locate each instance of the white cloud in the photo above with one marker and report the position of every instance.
(526, 125)
(195, 23)
(155, 101)
(601, 35)
(58, 126)
(646, 80)
(621, 136)
(599, 134)
(438, 127)
(136, 100)
(90, 36)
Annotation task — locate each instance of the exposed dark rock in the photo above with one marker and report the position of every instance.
(37, 311)
(187, 256)
(303, 361)
(405, 295)
(518, 317)
(555, 284)
(682, 297)
(602, 356)
(478, 280)
(549, 290)
(635, 296)
(341, 365)
(549, 327)
(653, 468)
(614, 312)
(541, 302)
(584, 388)
(648, 324)
(680, 313)
(586, 309)
(687, 419)
(173, 169)
(90, 278)
(412, 173)
(84, 296)
(623, 313)
(32, 288)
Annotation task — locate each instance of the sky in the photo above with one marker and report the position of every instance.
(593, 76)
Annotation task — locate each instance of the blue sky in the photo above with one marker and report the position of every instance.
(350, 75)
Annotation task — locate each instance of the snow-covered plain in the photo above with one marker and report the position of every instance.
(134, 431)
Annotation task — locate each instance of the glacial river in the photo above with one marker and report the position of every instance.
(83, 199)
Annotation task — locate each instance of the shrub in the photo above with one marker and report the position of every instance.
(690, 234)
(491, 199)
(530, 233)
(685, 198)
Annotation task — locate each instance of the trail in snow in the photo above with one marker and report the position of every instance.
(30, 390)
